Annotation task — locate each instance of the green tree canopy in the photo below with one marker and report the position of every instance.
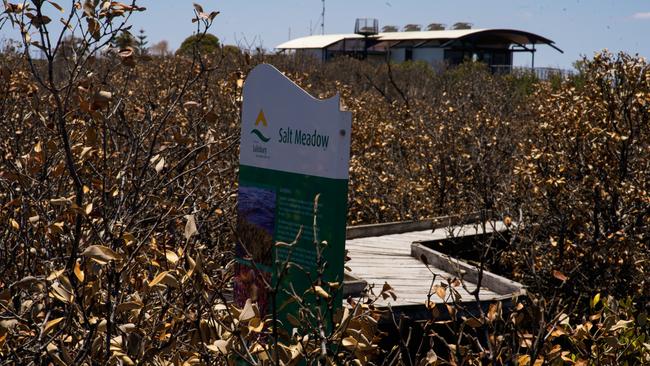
(205, 43)
(142, 42)
(124, 40)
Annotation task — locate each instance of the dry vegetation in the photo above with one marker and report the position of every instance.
(118, 182)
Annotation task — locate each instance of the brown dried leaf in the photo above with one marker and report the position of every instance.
(62, 294)
(431, 358)
(473, 322)
(220, 346)
(386, 287)
(255, 325)
(248, 312)
(622, 324)
(94, 28)
(160, 165)
(52, 351)
(321, 292)
(51, 324)
(171, 256)
(559, 275)
(42, 20)
(101, 99)
(78, 272)
(190, 227)
(165, 278)
(128, 306)
(198, 8)
(57, 6)
(13, 8)
(158, 278)
(492, 312)
(60, 201)
(127, 57)
(349, 343)
(101, 253)
(440, 291)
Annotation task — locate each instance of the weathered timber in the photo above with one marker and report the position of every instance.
(467, 272)
(388, 228)
(390, 253)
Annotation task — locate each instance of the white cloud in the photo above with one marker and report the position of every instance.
(641, 15)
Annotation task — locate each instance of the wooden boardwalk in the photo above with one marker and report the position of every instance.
(388, 258)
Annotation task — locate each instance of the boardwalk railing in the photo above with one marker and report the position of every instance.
(389, 228)
(542, 73)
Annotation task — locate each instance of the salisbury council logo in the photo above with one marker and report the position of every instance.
(260, 119)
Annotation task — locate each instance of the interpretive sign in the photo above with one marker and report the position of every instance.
(293, 148)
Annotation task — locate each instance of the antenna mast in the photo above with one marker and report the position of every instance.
(322, 24)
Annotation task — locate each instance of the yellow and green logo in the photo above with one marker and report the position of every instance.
(260, 119)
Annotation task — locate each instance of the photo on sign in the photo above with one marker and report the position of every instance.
(250, 283)
(255, 224)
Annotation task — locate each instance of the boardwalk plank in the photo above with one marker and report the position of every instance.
(388, 258)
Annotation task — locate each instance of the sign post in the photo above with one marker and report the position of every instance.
(293, 148)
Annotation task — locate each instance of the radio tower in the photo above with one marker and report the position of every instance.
(322, 24)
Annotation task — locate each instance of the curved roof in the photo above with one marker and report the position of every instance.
(318, 41)
(426, 35)
(510, 35)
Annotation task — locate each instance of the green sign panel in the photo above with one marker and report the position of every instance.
(293, 148)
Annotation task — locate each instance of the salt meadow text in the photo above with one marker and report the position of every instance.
(299, 137)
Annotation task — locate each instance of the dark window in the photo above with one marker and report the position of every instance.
(408, 54)
(453, 57)
(487, 58)
(500, 58)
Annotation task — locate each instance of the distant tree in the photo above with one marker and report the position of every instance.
(462, 25)
(202, 43)
(231, 50)
(142, 42)
(389, 28)
(160, 49)
(435, 27)
(124, 40)
(412, 28)
(69, 48)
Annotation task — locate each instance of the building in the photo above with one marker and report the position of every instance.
(494, 47)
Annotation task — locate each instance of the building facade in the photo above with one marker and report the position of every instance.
(495, 47)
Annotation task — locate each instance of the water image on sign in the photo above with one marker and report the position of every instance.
(293, 148)
(256, 223)
(255, 227)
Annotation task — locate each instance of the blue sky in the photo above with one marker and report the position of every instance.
(579, 27)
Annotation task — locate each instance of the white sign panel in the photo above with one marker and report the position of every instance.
(286, 129)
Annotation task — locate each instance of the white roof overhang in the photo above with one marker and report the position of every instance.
(318, 41)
